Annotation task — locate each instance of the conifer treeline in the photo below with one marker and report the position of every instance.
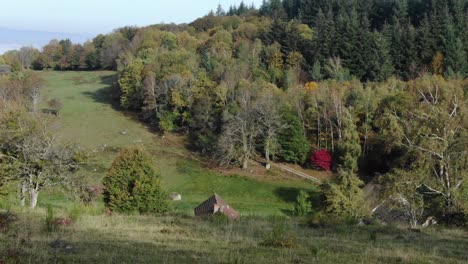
(374, 38)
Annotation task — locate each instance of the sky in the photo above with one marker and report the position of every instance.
(102, 16)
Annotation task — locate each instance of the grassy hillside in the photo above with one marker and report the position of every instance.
(90, 117)
(263, 235)
(96, 238)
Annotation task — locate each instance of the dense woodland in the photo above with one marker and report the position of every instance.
(381, 85)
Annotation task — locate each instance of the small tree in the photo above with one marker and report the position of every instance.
(133, 184)
(32, 155)
(303, 206)
(349, 150)
(294, 144)
(344, 197)
(322, 159)
(55, 105)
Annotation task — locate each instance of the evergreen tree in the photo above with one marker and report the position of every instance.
(316, 73)
(132, 184)
(294, 146)
(344, 197)
(349, 150)
(310, 8)
(425, 42)
(324, 41)
(378, 61)
(348, 42)
(220, 11)
(455, 58)
(303, 206)
(291, 8)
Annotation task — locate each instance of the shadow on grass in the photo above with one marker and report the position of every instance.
(109, 94)
(289, 195)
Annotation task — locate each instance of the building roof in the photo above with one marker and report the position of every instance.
(215, 204)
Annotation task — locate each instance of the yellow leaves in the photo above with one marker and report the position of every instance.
(438, 63)
(311, 86)
(177, 99)
(294, 59)
(305, 32)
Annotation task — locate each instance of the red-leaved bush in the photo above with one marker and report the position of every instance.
(322, 158)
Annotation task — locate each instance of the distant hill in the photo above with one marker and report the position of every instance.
(14, 39)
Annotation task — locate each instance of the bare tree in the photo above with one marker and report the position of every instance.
(241, 129)
(27, 55)
(268, 108)
(32, 85)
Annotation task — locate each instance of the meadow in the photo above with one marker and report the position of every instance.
(266, 232)
(91, 117)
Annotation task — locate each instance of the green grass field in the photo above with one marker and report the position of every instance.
(91, 118)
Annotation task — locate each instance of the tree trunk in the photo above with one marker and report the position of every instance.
(34, 195)
(267, 151)
(245, 149)
(245, 162)
(24, 190)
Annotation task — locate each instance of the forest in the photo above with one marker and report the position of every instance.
(379, 86)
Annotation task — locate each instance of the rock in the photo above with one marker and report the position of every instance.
(175, 197)
(268, 166)
(123, 132)
(429, 221)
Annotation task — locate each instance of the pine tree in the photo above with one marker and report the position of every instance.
(379, 62)
(348, 42)
(324, 44)
(349, 150)
(316, 73)
(344, 197)
(293, 143)
(132, 184)
(220, 11)
(455, 59)
(425, 42)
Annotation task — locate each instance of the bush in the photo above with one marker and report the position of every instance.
(303, 206)
(322, 159)
(132, 184)
(49, 219)
(280, 238)
(87, 193)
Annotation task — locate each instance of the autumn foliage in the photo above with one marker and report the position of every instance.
(322, 158)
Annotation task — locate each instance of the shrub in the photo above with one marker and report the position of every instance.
(322, 159)
(132, 184)
(75, 213)
(303, 206)
(49, 219)
(279, 238)
(87, 193)
(55, 105)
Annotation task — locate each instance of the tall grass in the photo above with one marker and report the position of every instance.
(186, 239)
